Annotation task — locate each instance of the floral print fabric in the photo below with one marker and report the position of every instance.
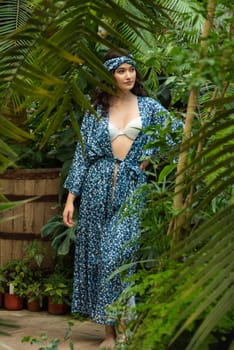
(105, 237)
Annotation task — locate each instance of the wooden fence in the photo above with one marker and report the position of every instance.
(23, 223)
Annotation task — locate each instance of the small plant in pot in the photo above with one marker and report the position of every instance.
(58, 288)
(18, 276)
(34, 254)
(35, 295)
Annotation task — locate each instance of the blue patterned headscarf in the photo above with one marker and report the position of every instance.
(114, 63)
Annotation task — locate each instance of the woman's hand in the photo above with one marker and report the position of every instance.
(69, 211)
(144, 165)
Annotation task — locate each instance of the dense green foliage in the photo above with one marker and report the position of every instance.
(184, 282)
(184, 292)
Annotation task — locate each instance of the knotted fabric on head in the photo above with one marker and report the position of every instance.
(114, 63)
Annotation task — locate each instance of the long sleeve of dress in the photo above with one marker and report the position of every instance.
(78, 169)
(157, 134)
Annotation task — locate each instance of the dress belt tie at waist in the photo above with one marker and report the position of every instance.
(130, 174)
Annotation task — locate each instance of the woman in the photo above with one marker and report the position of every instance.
(105, 174)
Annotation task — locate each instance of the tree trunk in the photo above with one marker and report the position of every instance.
(179, 223)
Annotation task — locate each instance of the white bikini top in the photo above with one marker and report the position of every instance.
(131, 130)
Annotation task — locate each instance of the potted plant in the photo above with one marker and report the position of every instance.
(17, 277)
(34, 254)
(58, 289)
(35, 295)
(23, 279)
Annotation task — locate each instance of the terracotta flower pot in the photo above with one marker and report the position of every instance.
(13, 302)
(56, 309)
(33, 305)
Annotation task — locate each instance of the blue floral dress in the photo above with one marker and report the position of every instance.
(105, 237)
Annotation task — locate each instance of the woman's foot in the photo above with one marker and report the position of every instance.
(107, 344)
(121, 339)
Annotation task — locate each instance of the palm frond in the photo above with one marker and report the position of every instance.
(13, 14)
(186, 296)
(53, 48)
(188, 16)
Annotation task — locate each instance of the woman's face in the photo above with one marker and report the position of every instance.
(125, 76)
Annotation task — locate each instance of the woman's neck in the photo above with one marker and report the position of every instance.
(122, 97)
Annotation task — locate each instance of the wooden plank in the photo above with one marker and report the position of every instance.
(27, 220)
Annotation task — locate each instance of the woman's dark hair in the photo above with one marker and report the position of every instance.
(102, 97)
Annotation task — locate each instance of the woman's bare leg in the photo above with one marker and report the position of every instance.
(110, 336)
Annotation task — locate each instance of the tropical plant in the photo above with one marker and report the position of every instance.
(35, 291)
(13, 15)
(199, 73)
(34, 254)
(59, 288)
(20, 122)
(25, 276)
(62, 237)
(18, 276)
(185, 294)
(57, 78)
